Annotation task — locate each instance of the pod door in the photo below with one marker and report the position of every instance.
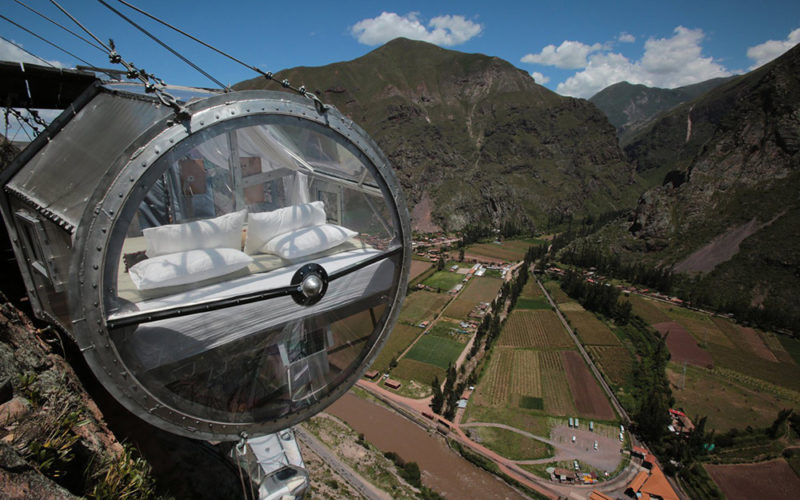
(251, 274)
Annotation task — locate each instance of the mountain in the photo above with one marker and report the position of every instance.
(630, 108)
(728, 209)
(474, 140)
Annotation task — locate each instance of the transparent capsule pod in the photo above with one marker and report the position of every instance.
(233, 271)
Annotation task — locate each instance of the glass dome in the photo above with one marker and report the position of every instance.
(243, 268)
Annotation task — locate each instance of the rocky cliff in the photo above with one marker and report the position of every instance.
(473, 139)
(732, 162)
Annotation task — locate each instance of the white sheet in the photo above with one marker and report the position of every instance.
(166, 341)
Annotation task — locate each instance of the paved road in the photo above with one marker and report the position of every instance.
(355, 479)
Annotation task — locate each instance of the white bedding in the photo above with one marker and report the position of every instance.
(166, 341)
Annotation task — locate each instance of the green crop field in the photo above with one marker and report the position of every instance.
(531, 289)
(479, 289)
(536, 303)
(438, 351)
(422, 305)
(400, 338)
(555, 291)
(444, 280)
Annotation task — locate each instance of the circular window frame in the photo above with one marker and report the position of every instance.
(96, 246)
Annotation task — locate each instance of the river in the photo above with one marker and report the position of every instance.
(442, 469)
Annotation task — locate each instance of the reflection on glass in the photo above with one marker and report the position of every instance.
(238, 213)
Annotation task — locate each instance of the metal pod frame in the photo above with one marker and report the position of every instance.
(91, 247)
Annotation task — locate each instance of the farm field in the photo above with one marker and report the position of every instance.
(422, 305)
(494, 388)
(589, 398)
(531, 290)
(791, 346)
(591, 330)
(444, 280)
(400, 338)
(445, 329)
(509, 250)
(558, 295)
(478, 289)
(424, 373)
(532, 303)
(682, 346)
(534, 329)
(773, 479)
(555, 387)
(647, 309)
(726, 403)
(418, 267)
(438, 351)
(735, 348)
(615, 362)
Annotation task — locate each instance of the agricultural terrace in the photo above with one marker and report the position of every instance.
(422, 305)
(539, 329)
(508, 250)
(591, 330)
(399, 339)
(751, 353)
(437, 351)
(727, 403)
(444, 280)
(479, 289)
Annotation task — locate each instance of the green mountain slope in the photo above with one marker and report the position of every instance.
(473, 139)
(729, 209)
(630, 108)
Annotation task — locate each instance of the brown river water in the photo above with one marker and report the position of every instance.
(443, 470)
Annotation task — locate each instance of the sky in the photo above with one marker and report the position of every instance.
(575, 48)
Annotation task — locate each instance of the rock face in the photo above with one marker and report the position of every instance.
(476, 136)
(631, 108)
(733, 158)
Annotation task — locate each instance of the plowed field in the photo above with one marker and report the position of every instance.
(589, 397)
(682, 346)
(774, 479)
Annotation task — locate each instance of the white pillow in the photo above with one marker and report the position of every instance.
(182, 268)
(308, 240)
(263, 226)
(224, 231)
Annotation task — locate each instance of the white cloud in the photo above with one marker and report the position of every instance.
(569, 55)
(666, 62)
(442, 30)
(769, 50)
(10, 52)
(540, 78)
(626, 37)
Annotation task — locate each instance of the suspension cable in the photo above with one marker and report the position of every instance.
(105, 47)
(155, 39)
(61, 26)
(28, 52)
(44, 40)
(321, 107)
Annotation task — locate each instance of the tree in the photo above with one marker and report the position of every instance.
(438, 397)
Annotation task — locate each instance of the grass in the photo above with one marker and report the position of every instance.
(527, 420)
(510, 444)
(424, 373)
(421, 306)
(400, 338)
(444, 280)
(435, 350)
